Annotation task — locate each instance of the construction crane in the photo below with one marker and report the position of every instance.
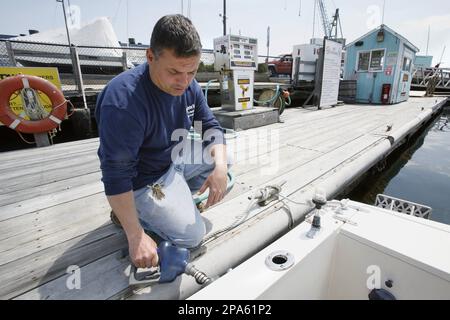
(330, 28)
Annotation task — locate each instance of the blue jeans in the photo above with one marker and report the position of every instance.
(175, 217)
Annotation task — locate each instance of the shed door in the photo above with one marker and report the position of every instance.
(406, 65)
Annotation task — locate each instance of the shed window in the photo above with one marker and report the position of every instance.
(363, 61)
(371, 61)
(406, 64)
(376, 60)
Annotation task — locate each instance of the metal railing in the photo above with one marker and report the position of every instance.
(403, 206)
(439, 78)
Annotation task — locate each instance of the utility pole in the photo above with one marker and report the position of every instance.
(224, 17)
(65, 20)
(314, 18)
(442, 55)
(188, 9)
(268, 43)
(128, 35)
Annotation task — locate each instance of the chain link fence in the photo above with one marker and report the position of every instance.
(80, 67)
(94, 65)
(87, 68)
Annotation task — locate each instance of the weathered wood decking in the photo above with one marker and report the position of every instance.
(53, 213)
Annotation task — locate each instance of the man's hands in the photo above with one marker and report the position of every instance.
(217, 180)
(217, 184)
(142, 251)
(141, 247)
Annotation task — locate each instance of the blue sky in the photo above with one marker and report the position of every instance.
(289, 24)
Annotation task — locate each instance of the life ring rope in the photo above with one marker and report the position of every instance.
(11, 85)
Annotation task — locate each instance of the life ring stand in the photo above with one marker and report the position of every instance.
(12, 84)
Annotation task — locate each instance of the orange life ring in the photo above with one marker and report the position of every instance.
(59, 104)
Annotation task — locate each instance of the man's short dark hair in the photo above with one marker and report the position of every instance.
(175, 32)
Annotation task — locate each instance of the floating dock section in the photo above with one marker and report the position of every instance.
(54, 216)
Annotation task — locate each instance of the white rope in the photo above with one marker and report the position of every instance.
(14, 124)
(26, 84)
(54, 119)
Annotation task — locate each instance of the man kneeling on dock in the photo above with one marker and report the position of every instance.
(150, 168)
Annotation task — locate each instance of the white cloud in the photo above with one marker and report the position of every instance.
(416, 30)
(437, 23)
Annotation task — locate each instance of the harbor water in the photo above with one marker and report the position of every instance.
(419, 171)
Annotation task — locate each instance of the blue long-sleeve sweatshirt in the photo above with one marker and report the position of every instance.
(135, 121)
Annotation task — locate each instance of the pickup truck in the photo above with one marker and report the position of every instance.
(281, 65)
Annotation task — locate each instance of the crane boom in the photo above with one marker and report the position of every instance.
(330, 28)
(325, 21)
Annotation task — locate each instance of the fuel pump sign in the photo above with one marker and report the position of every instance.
(236, 58)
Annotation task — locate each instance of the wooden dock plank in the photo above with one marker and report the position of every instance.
(49, 189)
(43, 178)
(45, 234)
(37, 160)
(55, 216)
(32, 271)
(49, 168)
(46, 151)
(49, 200)
(99, 280)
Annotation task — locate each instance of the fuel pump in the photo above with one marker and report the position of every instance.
(236, 58)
